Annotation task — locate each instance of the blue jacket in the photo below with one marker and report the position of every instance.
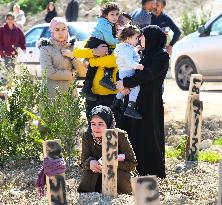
(141, 17)
(163, 21)
(103, 31)
(126, 57)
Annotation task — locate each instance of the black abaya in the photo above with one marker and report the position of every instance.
(147, 135)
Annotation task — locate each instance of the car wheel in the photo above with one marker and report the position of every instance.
(184, 68)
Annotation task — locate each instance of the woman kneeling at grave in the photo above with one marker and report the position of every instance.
(102, 118)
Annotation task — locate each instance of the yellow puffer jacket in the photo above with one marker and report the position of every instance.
(108, 61)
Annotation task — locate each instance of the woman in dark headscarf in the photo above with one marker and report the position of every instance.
(102, 118)
(147, 135)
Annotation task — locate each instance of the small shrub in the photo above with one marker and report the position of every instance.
(29, 8)
(218, 141)
(191, 21)
(209, 156)
(61, 118)
(15, 139)
(179, 151)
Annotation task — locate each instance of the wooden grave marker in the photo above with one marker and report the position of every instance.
(194, 89)
(191, 117)
(109, 162)
(145, 190)
(195, 129)
(220, 185)
(56, 185)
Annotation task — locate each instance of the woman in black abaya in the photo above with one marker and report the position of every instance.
(147, 135)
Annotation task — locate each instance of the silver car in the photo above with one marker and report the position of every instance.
(81, 30)
(199, 52)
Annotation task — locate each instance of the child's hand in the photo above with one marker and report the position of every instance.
(138, 48)
(140, 67)
(67, 53)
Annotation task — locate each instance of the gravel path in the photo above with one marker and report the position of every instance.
(197, 186)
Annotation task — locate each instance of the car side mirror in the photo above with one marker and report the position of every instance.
(201, 29)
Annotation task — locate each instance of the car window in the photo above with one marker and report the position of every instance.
(33, 36)
(216, 28)
(47, 33)
(81, 32)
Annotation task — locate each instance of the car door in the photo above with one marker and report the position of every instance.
(31, 55)
(209, 52)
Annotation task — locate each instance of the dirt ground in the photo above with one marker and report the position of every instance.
(176, 100)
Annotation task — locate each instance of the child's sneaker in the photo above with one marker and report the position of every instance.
(87, 92)
(131, 111)
(106, 80)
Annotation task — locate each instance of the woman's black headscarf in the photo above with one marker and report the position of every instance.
(155, 40)
(106, 114)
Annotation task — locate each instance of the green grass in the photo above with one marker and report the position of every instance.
(218, 141)
(207, 156)
(173, 153)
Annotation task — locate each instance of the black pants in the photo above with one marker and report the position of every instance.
(92, 43)
(105, 100)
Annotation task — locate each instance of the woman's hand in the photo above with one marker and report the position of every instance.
(67, 53)
(120, 88)
(121, 157)
(125, 91)
(101, 50)
(95, 166)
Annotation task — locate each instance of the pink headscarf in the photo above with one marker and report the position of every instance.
(53, 23)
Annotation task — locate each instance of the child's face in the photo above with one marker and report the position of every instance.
(133, 40)
(98, 126)
(123, 21)
(113, 16)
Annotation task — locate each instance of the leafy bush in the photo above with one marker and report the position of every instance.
(60, 118)
(191, 21)
(30, 7)
(15, 140)
(102, 1)
(4, 1)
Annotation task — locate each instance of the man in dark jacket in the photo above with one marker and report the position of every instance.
(11, 38)
(72, 11)
(142, 16)
(165, 22)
